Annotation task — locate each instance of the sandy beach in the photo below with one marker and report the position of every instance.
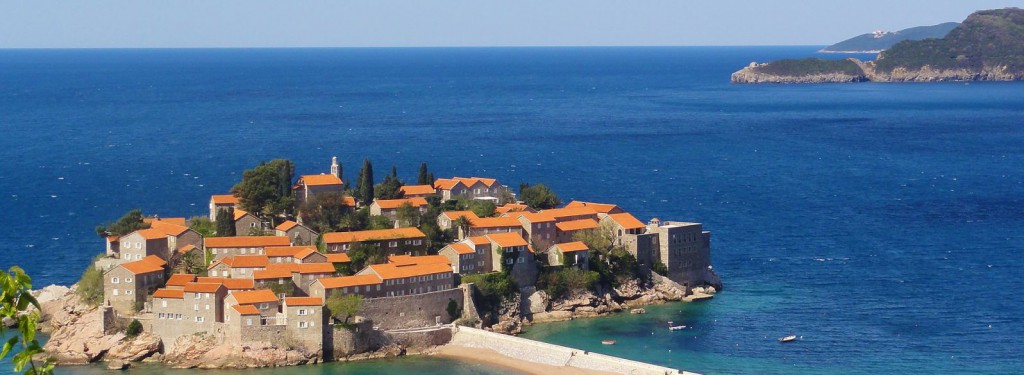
(491, 357)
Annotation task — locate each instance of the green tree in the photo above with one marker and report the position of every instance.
(463, 224)
(129, 222)
(344, 306)
(539, 196)
(364, 189)
(423, 178)
(380, 222)
(325, 212)
(482, 208)
(192, 263)
(266, 189)
(407, 215)
(453, 309)
(15, 299)
(364, 254)
(134, 328)
(226, 222)
(321, 246)
(90, 285)
(390, 188)
(203, 225)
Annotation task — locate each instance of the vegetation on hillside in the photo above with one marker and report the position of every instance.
(343, 306)
(538, 196)
(267, 189)
(986, 38)
(129, 222)
(90, 285)
(812, 66)
(875, 42)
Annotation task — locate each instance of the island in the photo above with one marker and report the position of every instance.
(987, 46)
(290, 271)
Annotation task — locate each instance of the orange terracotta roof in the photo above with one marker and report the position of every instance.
(277, 273)
(225, 199)
(286, 251)
(626, 221)
(249, 297)
(246, 261)
(307, 268)
(461, 248)
(347, 281)
(169, 293)
(151, 234)
(286, 225)
(394, 271)
(390, 204)
(369, 235)
(319, 180)
(338, 258)
(407, 260)
(445, 184)
(512, 207)
(495, 222)
(229, 284)
(246, 241)
(303, 301)
(202, 287)
(417, 189)
(603, 208)
(532, 217)
(348, 201)
(455, 215)
(113, 238)
(568, 226)
(559, 213)
(569, 247)
(186, 248)
(302, 254)
(148, 264)
(240, 214)
(507, 239)
(479, 240)
(246, 309)
(180, 279)
(469, 182)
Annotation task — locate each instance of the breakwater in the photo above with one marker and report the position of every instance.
(553, 355)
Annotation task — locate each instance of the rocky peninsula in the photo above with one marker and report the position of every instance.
(987, 46)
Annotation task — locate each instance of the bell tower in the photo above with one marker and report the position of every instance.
(334, 167)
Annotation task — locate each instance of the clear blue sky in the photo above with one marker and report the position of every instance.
(377, 23)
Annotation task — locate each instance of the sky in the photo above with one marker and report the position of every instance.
(462, 23)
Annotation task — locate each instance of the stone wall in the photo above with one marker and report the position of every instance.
(414, 311)
(554, 355)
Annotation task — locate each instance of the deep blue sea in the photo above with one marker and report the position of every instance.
(883, 223)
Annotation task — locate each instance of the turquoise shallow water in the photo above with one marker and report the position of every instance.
(882, 222)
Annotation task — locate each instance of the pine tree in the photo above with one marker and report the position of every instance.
(394, 172)
(421, 179)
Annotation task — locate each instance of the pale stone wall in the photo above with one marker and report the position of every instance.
(308, 327)
(415, 311)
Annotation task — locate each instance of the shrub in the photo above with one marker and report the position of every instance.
(90, 286)
(494, 288)
(453, 309)
(134, 328)
(560, 283)
(660, 268)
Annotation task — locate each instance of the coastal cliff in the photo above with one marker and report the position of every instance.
(987, 46)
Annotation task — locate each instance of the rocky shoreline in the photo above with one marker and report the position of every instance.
(77, 335)
(751, 75)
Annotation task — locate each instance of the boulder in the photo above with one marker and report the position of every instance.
(135, 349)
(536, 302)
(117, 365)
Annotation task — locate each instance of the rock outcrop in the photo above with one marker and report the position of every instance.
(202, 351)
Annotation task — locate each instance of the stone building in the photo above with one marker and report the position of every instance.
(205, 303)
(393, 241)
(621, 225)
(264, 300)
(178, 281)
(510, 250)
(247, 224)
(309, 186)
(470, 256)
(472, 188)
(539, 228)
(565, 231)
(221, 247)
(222, 202)
(238, 266)
(178, 236)
(569, 254)
(299, 234)
(295, 254)
(127, 286)
(306, 321)
(142, 243)
(418, 191)
(389, 209)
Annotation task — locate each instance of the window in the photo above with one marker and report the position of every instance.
(302, 312)
(252, 225)
(200, 319)
(509, 261)
(115, 280)
(195, 307)
(419, 242)
(207, 307)
(248, 321)
(393, 244)
(264, 306)
(138, 256)
(138, 245)
(199, 295)
(127, 279)
(179, 316)
(163, 303)
(303, 325)
(214, 251)
(128, 292)
(127, 256)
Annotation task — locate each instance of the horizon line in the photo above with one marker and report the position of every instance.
(427, 47)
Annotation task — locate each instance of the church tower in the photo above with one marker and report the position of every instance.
(334, 167)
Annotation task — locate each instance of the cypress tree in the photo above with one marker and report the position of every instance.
(366, 184)
(421, 179)
(394, 171)
(226, 222)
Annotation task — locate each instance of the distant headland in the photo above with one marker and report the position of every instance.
(987, 46)
(878, 41)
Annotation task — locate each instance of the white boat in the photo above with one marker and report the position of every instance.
(787, 338)
(672, 327)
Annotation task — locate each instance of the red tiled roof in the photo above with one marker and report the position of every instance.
(202, 287)
(286, 225)
(303, 301)
(248, 297)
(406, 260)
(445, 184)
(507, 239)
(559, 213)
(169, 293)
(151, 234)
(186, 248)
(370, 235)
(347, 281)
(495, 222)
(394, 271)
(246, 261)
(286, 251)
(338, 258)
(240, 214)
(225, 199)
(389, 204)
(569, 226)
(461, 248)
(512, 207)
(302, 268)
(305, 253)
(229, 284)
(469, 182)
(148, 264)
(246, 309)
(417, 189)
(180, 279)
(626, 221)
(479, 240)
(174, 221)
(603, 208)
(246, 241)
(272, 274)
(113, 238)
(569, 247)
(348, 201)
(532, 217)
(319, 180)
(455, 215)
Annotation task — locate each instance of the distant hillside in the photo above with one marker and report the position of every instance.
(880, 41)
(987, 46)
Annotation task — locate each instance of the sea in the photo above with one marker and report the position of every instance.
(883, 224)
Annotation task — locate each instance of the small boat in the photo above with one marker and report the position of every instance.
(672, 327)
(608, 342)
(787, 338)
